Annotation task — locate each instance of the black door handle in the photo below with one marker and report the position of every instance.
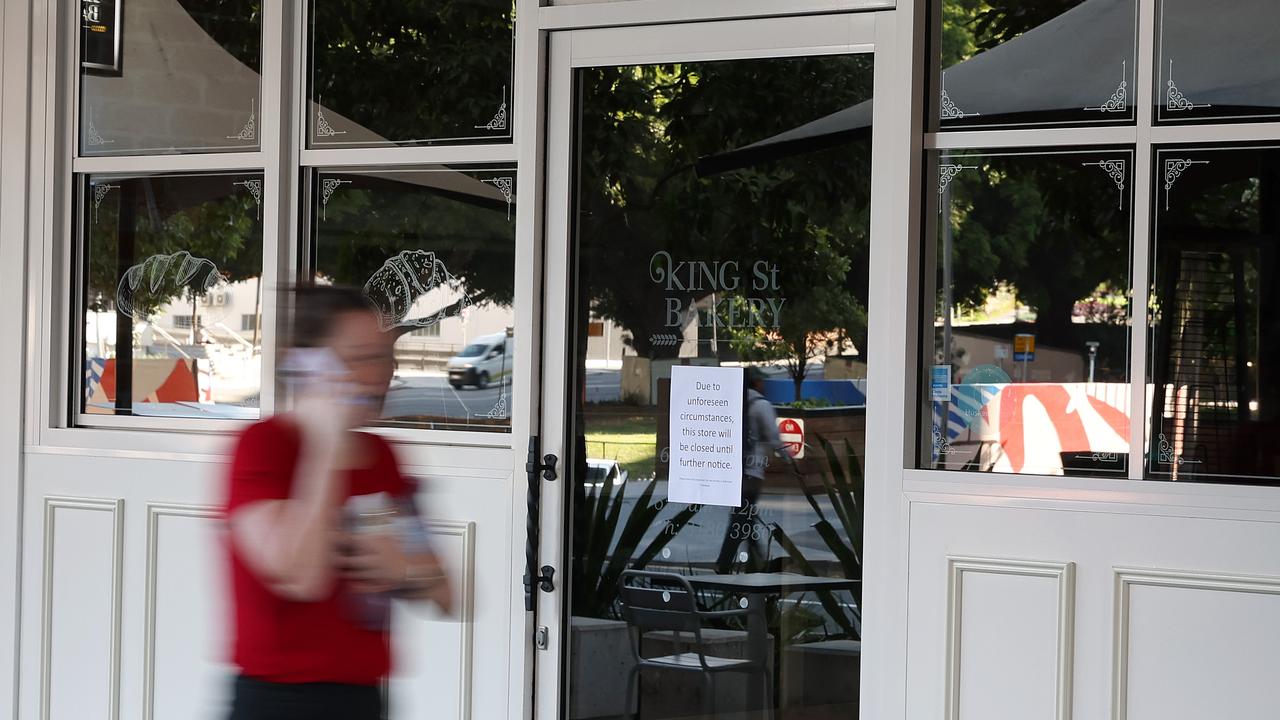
(536, 470)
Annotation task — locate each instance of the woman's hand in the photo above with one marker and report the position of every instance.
(374, 562)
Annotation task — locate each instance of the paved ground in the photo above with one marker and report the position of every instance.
(432, 395)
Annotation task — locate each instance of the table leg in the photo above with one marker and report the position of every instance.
(758, 643)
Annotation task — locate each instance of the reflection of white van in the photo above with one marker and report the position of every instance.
(486, 360)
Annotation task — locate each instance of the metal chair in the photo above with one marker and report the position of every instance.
(656, 601)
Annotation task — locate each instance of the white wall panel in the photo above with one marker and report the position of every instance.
(1196, 645)
(433, 651)
(80, 618)
(1010, 638)
(186, 620)
(136, 595)
(1200, 645)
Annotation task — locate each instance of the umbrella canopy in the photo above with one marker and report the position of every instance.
(1079, 66)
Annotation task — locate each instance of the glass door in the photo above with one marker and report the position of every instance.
(708, 252)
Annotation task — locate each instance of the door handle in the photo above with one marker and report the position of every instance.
(536, 470)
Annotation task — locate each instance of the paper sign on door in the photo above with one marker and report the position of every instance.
(706, 436)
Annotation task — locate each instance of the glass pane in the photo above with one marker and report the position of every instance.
(434, 251)
(719, 409)
(1215, 326)
(172, 263)
(169, 76)
(416, 72)
(1011, 63)
(1026, 369)
(1217, 62)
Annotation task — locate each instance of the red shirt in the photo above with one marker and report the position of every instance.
(288, 641)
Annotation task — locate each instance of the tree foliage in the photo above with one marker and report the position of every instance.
(643, 131)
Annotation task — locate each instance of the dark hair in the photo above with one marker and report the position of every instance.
(313, 309)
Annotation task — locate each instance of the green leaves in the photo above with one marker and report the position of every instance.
(602, 550)
(842, 486)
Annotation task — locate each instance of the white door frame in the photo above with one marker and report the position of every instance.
(892, 35)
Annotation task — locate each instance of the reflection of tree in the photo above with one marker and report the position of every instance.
(409, 69)
(373, 219)
(644, 128)
(236, 25)
(205, 216)
(971, 26)
(1044, 225)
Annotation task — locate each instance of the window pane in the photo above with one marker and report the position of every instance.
(1026, 368)
(1218, 62)
(416, 72)
(722, 227)
(1008, 63)
(1215, 323)
(434, 250)
(171, 262)
(169, 76)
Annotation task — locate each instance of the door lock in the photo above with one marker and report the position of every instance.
(543, 637)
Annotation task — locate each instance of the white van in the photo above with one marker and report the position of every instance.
(487, 359)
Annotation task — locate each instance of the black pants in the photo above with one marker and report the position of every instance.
(262, 700)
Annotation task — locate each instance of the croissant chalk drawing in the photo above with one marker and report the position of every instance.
(404, 278)
(165, 276)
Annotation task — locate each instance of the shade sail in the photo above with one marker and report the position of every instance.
(179, 90)
(1080, 65)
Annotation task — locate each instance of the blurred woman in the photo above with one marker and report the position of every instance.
(310, 589)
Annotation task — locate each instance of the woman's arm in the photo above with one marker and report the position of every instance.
(291, 543)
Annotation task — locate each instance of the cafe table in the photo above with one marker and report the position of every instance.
(755, 588)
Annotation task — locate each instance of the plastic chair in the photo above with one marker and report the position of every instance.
(656, 601)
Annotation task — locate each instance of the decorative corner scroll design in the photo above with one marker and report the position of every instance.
(254, 187)
(1174, 100)
(323, 128)
(941, 446)
(1173, 169)
(100, 193)
(947, 173)
(249, 132)
(499, 410)
(506, 187)
(1118, 101)
(1166, 456)
(328, 187)
(1116, 170)
(92, 137)
(947, 107)
(499, 121)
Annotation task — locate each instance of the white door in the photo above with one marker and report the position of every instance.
(711, 249)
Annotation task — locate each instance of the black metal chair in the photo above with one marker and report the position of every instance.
(656, 601)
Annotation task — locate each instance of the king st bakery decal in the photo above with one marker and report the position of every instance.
(746, 296)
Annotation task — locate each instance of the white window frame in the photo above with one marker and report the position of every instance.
(1144, 136)
(53, 423)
